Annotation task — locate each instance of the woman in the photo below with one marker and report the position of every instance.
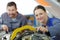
(51, 25)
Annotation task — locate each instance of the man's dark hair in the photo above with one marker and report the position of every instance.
(39, 7)
(12, 4)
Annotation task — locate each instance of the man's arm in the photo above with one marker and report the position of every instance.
(3, 26)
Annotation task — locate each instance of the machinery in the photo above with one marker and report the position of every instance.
(28, 32)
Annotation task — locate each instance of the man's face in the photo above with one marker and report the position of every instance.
(11, 10)
(40, 15)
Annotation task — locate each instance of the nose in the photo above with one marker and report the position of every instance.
(10, 12)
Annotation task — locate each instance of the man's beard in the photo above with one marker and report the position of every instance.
(12, 15)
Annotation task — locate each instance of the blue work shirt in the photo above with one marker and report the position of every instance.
(54, 28)
(12, 24)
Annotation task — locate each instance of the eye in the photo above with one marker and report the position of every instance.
(8, 9)
(12, 9)
(36, 15)
(40, 13)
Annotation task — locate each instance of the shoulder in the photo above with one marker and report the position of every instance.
(20, 16)
(55, 20)
(4, 14)
(55, 29)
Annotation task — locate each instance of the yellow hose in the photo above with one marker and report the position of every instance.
(19, 30)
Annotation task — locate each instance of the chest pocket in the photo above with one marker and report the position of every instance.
(12, 24)
(15, 24)
(7, 23)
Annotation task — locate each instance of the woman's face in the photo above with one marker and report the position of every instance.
(40, 15)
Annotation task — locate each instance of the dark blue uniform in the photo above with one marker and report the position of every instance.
(54, 28)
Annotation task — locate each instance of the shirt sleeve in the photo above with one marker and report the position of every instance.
(55, 30)
(0, 23)
(3, 21)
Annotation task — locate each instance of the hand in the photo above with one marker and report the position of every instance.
(43, 29)
(5, 27)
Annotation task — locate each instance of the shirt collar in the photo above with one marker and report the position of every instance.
(49, 22)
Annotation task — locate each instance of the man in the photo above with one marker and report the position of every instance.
(49, 25)
(12, 19)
